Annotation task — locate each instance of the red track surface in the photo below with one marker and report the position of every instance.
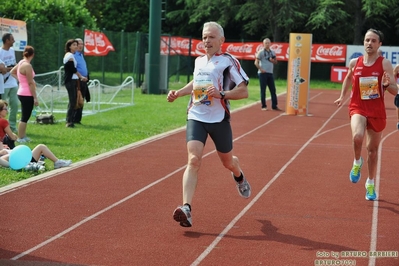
(117, 209)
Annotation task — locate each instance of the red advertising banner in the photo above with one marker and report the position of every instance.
(321, 53)
(96, 43)
(338, 73)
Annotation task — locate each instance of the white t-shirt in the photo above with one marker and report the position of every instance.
(1, 80)
(67, 57)
(225, 73)
(8, 57)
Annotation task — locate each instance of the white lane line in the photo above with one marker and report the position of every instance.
(59, 235)
(209, 249)
(374, 223)
(53, 173)
(91, 217)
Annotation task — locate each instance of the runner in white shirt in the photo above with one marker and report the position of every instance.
(218, 78)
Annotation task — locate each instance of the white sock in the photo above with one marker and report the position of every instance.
(357, 162)
(370, 181)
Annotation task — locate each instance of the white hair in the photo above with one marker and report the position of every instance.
(216, 25)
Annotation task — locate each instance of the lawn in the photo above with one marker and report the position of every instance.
(150, 115)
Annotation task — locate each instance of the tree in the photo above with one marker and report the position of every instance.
(69, 12)
(117, 15)
(188, 16)
(330, 21)
(356, 15)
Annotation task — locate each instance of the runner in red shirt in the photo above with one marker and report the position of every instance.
(370, 75)
(396, 102)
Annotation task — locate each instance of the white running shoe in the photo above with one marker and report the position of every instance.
(244, 189)
(182, 215)
(62, 163)
(35, 167)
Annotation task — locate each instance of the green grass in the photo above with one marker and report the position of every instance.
(150, 115)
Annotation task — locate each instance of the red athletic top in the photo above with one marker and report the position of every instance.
(3, 124)
(367, 96)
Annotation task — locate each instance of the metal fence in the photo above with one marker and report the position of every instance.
(53, 96)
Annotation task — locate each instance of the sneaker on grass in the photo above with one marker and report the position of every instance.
(182, 215)
(62, 163)
(35, 167)
(23, 140)
(355, 174)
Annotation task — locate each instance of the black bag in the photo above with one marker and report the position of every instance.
(45, 119)
(9, 142)
(80, 101)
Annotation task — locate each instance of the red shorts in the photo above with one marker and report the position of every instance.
(376, 124)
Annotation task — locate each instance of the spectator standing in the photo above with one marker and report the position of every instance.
(265, 61)
(27, 90)
(7, 55)
(71, 78)
(82, 69)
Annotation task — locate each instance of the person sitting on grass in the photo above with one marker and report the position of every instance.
(38, 151)
(7, 137)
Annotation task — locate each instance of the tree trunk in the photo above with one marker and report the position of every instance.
(359, 20)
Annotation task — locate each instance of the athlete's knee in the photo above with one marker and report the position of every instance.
(358, 138)
(194, 161)
(372, 150)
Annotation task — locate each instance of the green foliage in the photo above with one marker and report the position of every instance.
(68, 12)
(117, 15)
(331, 21)
(377, 8)
(327, 13)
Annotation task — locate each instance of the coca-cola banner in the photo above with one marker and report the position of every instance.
(321, 53)
(96, 43)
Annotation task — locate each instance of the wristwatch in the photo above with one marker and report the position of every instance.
(222, 94)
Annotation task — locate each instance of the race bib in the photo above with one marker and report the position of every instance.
(369, 88)
(200, 93)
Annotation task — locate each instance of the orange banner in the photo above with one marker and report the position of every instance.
(96, 43)
(298, 74)
(18, 30)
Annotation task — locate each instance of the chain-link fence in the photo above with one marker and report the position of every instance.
(128, 59)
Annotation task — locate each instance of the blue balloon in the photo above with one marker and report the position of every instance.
(20, 157)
